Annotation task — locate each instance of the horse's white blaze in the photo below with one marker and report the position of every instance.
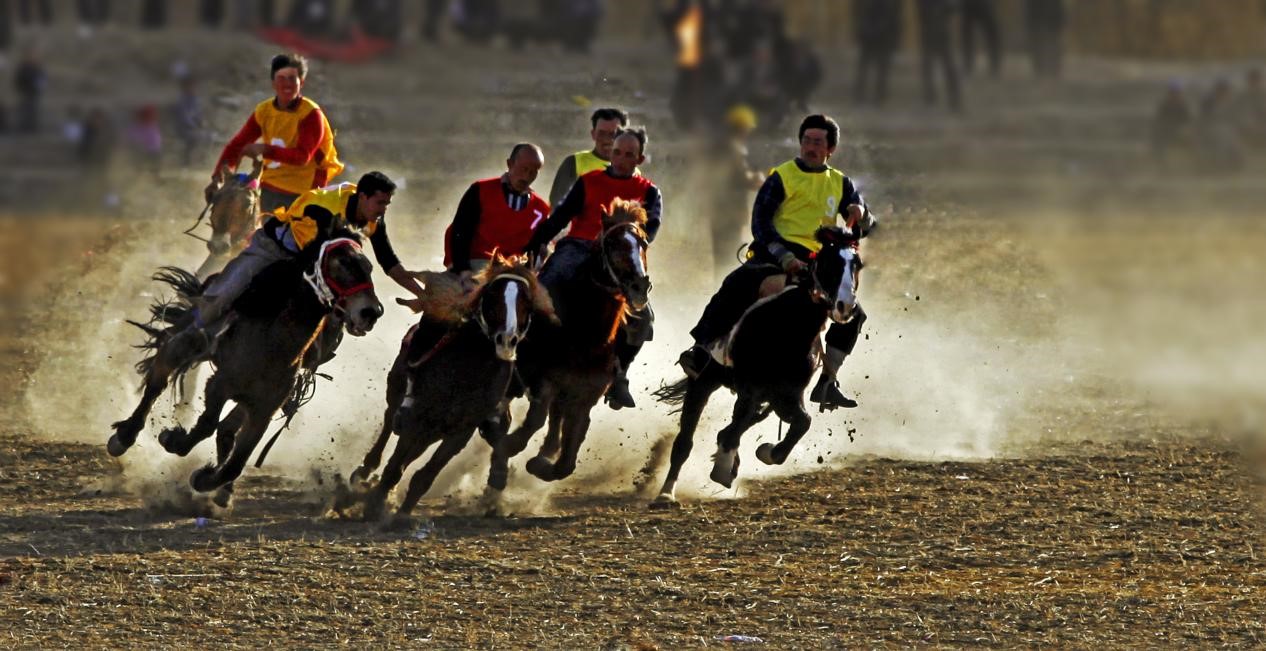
(637, 258)
(845, 294)
(512, 312)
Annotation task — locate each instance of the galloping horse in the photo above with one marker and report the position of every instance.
(451, 375)
(568, 368)
(772, 353)
(258, 356)
(234, 216)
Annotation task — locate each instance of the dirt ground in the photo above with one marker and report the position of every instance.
(1060, 388)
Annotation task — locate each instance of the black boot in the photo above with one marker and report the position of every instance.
(694, 360)
(827, 394)
(618, 396)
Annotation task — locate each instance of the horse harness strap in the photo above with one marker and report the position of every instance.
(316, 278)
(479, 313)
(606, 264)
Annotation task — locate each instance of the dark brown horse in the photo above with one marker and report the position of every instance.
(568, 368)
(257, 357)
(771, 356)
(451, 375)
(234, 215)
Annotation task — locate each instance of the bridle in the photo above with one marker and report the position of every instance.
(615, 285)
(330, 292)
(479, 310)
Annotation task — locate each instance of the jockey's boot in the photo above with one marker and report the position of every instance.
(826, 393)
(694, 360)
(618, 396)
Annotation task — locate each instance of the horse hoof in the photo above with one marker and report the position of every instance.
(725, 468)
(766, 454)
(398, 522)
(203, 479)
(663, 502)
(541, 467)
(359, 476)
(173, 440)
(223, 496)
(116, 447)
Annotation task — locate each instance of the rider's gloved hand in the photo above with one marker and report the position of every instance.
(791, 264)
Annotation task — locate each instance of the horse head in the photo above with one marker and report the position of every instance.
(508, 296)
(340, 277)
(234, 208)
(836, 272)
(623, 250)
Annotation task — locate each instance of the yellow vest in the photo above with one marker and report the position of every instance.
(281, 128)
(334, 199)
(587, 161)
(812, 200)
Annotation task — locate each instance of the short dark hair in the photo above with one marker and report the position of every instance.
(291, 60)
(374, 182)
(819, 121)
(609, 114)
(638, 132)
(514, 152)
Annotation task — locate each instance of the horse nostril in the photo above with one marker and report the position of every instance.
(371, 313)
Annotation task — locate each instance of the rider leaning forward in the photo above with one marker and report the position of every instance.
(582, 210)
(799, 196)
(360, 207)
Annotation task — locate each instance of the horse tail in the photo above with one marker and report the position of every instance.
(167, 315)
(672, 394)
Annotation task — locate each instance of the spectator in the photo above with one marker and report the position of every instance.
(878, 24)
(1045, 21)
(187, 117)
(980, 16)
(934, 50)
(1249, 109)
(1219, 137)
(31, 11)
(312, 17)
(29, 80)
(93, 13)
(154, 14)
(211, 13)
(803, 71)
(378, 18)
(1172, 126)
(145, 138)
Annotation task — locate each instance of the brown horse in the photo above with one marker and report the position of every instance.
(257, 357)
(568, 368)
(234, 209)
(451, 375)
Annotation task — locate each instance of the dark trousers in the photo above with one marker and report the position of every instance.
(876, 61)
(980, 16)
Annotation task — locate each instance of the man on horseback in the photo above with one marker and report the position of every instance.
(582, 209)
(361, 207)
(293, 136)
(607, 123)
(496, 214)
(799, 196)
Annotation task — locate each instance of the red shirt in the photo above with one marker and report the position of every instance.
(500, 228)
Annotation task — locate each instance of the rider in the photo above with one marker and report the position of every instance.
(607, 122)
(582, 209)
(360, 206)
(496, 214)
(799, 196)
(291, 133)
(732, 185)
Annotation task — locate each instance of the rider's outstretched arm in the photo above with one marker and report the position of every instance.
(560, 218)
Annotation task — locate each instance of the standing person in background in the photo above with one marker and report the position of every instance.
(187, 115)
(606, 123)
(211, 13)
(291, 133)
(982, 16)
(731, 187)
(934, 51)
(1045, 22)
(32, 11)
(29, 81)
(878, 35)
(145, 138)
(154, 14)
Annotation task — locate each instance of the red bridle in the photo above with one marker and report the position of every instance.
(327, 289)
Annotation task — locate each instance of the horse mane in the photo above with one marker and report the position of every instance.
(444, 300)
(623, 211)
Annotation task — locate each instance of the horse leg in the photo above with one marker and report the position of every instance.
(395, 396)
(726, 463)
(542, 465)
(125, 431)
(255, 422)
(575, 427)
(179, 442)
(422, 480)
(406, 452)
(698, 392)
(538, 410)
(790, 409)
(225, 434)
